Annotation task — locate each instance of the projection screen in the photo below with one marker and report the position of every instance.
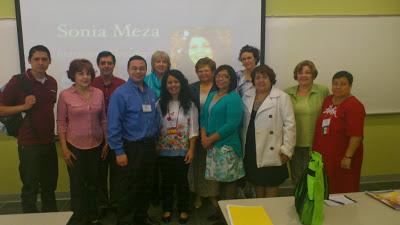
(186, 30)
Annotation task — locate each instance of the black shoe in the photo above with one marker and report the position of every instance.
(166, 217)
(214, 217)
(183, 217)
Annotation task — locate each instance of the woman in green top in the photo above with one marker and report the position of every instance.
(307, 99)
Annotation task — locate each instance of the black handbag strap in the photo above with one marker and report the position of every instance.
(27, 90)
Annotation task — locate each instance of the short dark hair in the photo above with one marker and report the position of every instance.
(266, 70)
(185, 99)
(344, 74)
(301, 65)
(251, 49)
(79, 65)
(105, 54)
(205, 62)
(39, 48)
(232, 76)
(136, 57)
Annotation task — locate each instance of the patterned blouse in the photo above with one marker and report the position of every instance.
(176, 128)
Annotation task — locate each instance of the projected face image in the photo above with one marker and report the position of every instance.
(189, 45)
(199, 47)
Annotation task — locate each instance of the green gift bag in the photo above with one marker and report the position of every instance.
(311, 191)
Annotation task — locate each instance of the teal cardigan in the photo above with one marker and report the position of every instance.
(225, 118)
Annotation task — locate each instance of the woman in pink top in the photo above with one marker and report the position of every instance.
(82, 127)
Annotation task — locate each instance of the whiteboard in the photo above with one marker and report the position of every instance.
(368, 47)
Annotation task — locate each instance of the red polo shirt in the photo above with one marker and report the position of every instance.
(42, 113)
(107, 89)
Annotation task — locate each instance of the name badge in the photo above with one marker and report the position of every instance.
(326, 122)
(146, 108)
(325, 126)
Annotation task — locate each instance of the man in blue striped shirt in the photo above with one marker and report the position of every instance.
(133, 123)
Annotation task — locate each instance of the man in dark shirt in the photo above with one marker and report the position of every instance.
(36, 150)
(107, 83)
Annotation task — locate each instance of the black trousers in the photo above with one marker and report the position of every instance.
(108, 182)
(83, 180)
(38, 169)
(136, 180)
(174, 175)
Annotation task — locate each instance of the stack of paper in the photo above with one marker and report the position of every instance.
(248, 215)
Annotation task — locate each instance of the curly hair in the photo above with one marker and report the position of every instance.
(253, 50)
(184, 97)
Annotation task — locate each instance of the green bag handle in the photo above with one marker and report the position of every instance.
(315, 166)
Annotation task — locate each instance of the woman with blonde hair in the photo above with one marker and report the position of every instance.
(160, 62)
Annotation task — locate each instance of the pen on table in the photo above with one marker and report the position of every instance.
(341, 203)
(350, 198)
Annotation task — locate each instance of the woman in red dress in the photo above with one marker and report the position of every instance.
(339, 134)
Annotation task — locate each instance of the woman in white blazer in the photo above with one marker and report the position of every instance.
(269, 133)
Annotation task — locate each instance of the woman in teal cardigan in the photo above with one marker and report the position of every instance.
(220, 120)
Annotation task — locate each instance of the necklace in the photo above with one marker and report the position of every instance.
(259, 99)
(171, 114)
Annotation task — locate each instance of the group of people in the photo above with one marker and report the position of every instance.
(208, 137)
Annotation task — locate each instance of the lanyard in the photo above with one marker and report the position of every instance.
(169, 118)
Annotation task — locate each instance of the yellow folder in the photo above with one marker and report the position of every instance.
(248, 215)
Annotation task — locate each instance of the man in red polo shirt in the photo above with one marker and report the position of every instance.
(36, 149)
(107, 83)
